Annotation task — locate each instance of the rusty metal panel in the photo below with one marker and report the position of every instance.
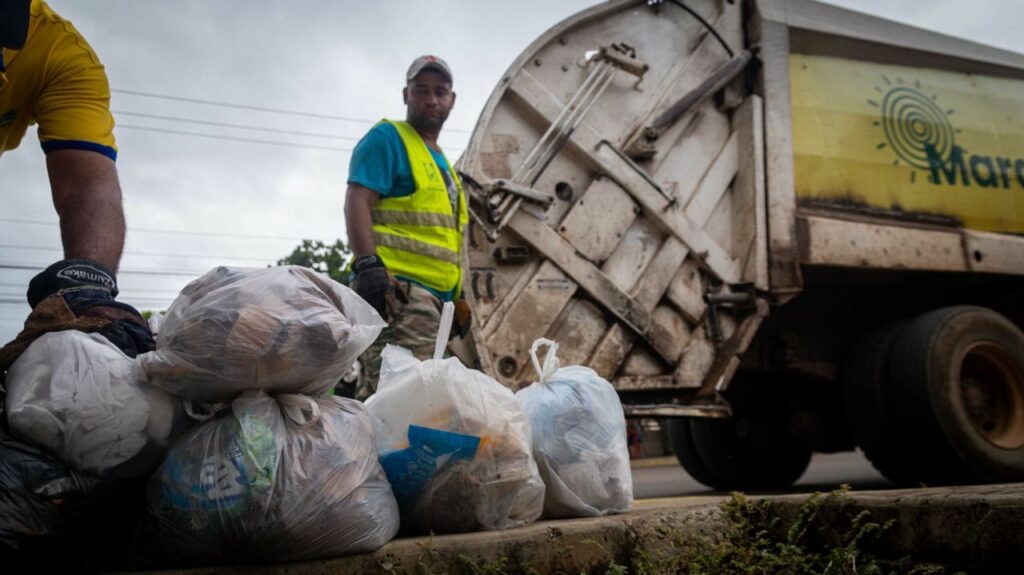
(835, 242)
(596, 223)
(995, 253)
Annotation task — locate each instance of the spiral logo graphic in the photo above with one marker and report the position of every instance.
(912, 121)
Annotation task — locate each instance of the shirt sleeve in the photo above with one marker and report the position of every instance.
(73, 108)
(375, 161)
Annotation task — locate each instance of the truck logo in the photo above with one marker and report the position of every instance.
(921, 135)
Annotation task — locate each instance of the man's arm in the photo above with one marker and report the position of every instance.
(87, 196)
(359, 202)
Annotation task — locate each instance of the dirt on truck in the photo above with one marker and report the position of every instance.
(788, 227)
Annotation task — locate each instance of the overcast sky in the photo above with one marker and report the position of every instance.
(193, 202)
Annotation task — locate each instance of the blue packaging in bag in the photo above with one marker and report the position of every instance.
(430, 451)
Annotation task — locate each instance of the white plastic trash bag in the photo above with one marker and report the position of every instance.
(273, 479)
(454, 443)
(286, 329)
(81, 398)
(579, 439)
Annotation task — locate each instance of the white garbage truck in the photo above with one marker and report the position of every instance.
(783, 226)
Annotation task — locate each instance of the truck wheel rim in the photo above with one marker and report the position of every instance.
(992, 393)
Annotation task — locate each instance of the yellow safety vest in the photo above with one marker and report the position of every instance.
(418, 236)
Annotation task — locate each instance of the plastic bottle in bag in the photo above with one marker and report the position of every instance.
(273, 479)
(455, 444)
(286, 329)
(579, 438)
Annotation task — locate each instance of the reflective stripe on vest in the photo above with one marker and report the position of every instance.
(418, 236)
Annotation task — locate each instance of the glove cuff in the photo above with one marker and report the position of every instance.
(71, 274)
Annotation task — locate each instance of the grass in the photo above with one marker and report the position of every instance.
(754, 539)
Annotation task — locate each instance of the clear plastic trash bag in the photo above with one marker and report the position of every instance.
(82, 399)
(273, 479)
(285, 329)
(455, 444)
(579, 439)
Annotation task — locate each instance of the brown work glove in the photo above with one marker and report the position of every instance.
(463, 319)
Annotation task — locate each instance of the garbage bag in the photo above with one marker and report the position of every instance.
(82, 399)
(52, 516)
(273, 479)
(454, 443)
(286, 329)
(579, 439)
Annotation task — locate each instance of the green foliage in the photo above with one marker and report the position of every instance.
(825, 536)
(331, 259)
(757, 540)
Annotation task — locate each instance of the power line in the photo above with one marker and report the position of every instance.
(238, 126)
(233, 138)
(240, 139)
(159, 254)
(173, 232)
(254, 108)
(20, 266)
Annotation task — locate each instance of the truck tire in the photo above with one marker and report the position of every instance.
(680, 438)
(869, 410)
(754, 448)
(957, 378)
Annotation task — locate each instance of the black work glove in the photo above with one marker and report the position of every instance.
(373, 283)
(89, 289)
(463, 319)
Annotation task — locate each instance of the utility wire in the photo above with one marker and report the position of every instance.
(230, 125)
(239, 139)
(232, 138)
(173, 232)
(159, 254)
(20, 266)
(255, 108)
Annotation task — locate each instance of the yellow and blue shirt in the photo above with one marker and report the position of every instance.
(58, 82)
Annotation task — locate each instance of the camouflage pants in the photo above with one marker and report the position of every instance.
(415, 316)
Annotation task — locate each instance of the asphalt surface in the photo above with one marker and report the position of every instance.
(825, 473)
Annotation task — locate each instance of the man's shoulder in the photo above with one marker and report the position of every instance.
(383, 138)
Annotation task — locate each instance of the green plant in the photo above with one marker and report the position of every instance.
(331, 259)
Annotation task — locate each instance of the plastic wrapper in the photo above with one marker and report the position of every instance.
(273, 479)
(82, 399)
(579, 439)
(286, 329)
(52, 516)
(455, 444)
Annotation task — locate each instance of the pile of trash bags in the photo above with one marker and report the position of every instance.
(229, 420)
(454, 443)
(226, 444)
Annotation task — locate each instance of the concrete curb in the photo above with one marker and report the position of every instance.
(980, 527)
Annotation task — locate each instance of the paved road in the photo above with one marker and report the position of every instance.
(826, 472)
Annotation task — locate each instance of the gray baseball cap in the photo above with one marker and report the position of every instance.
(428, 62)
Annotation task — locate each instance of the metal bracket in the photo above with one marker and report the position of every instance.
(718, 408)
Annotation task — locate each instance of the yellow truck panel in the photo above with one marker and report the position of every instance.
(909, 141)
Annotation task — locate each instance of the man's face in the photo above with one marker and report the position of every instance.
(429, 99)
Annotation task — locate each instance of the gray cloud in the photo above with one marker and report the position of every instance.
(342, 58)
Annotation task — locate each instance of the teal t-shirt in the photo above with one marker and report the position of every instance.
(379, 162)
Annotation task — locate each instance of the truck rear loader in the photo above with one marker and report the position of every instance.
(787, 227)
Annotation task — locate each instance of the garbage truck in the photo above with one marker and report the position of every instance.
(783, 226)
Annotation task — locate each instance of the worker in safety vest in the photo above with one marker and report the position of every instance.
(51, 77)
(405, 212)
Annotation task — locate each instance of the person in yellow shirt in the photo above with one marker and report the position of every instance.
(50, 76)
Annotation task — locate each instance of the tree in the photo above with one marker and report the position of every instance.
(331, 259)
